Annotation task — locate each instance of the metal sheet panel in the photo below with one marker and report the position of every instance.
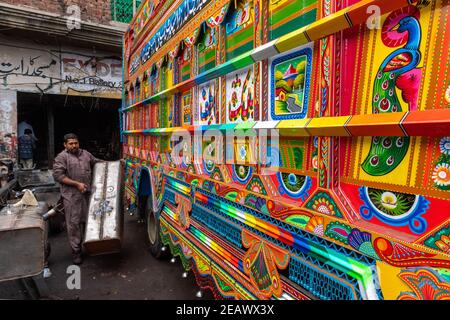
(22, 241)
(104, 229)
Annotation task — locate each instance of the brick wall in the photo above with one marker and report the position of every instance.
(96, 11)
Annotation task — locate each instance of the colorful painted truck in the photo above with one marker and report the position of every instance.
(293, 149)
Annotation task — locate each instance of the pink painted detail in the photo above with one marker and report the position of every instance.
(392, 38)
(350, 70)
(409, 84)
(342, 232)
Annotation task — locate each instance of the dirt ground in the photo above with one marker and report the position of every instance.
(132, 274)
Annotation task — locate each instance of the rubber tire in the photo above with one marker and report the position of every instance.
(153, 228)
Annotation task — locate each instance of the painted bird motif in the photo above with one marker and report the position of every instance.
(386, 153)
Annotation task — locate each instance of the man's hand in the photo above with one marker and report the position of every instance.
(82, 187)
(76, 184)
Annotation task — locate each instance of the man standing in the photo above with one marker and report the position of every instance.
(73, 170)
(26, 148)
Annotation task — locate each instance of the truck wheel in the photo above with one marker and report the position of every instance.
(153, 229)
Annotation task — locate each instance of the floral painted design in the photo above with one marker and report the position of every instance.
(444, 145)
(441, 175)
(323, 203)
(315, 225)
(395, 209)
(324, 206)
(426, 285)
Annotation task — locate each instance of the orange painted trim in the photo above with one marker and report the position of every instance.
(384, 124)
(434, 122)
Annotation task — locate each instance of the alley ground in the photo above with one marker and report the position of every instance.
(132, 274)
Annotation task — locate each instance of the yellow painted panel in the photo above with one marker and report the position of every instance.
(291, 40)
(294, 127)
(328, 25)
(289, 124)
(415, 162)
(391, 284)
(328, 126)
(397, 176)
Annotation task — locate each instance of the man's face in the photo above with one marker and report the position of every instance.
(72, 145)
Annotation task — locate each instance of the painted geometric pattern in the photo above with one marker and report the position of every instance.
(261, 262)
(440, 240)
(323, 203)
(426, 285)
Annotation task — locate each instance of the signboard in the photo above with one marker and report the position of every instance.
(95, 74)
(33, 68)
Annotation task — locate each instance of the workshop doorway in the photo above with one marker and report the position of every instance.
(94, 120)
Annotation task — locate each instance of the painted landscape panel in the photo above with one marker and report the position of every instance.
(290, 85)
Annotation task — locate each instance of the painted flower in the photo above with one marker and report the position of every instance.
(441, 174)
(388, 200)
(315, 225)
(444, 145)
(324, 206)
(256, 189)
(315, 162)
(447, 94)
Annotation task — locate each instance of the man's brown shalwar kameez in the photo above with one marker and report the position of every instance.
(77, 167)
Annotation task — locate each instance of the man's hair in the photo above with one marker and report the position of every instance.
(70, 136)
(28, 131)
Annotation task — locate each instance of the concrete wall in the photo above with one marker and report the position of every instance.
(37, 68)
(8, 124)
(96, 11)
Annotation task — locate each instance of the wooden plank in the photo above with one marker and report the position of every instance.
(51, 135)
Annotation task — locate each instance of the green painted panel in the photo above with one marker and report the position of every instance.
(292, 7)
(240, 50)
(240, 36)
(301, 21)
(207, 66)
(202, 67)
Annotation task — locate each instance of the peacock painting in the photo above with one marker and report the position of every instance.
(397, 70)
